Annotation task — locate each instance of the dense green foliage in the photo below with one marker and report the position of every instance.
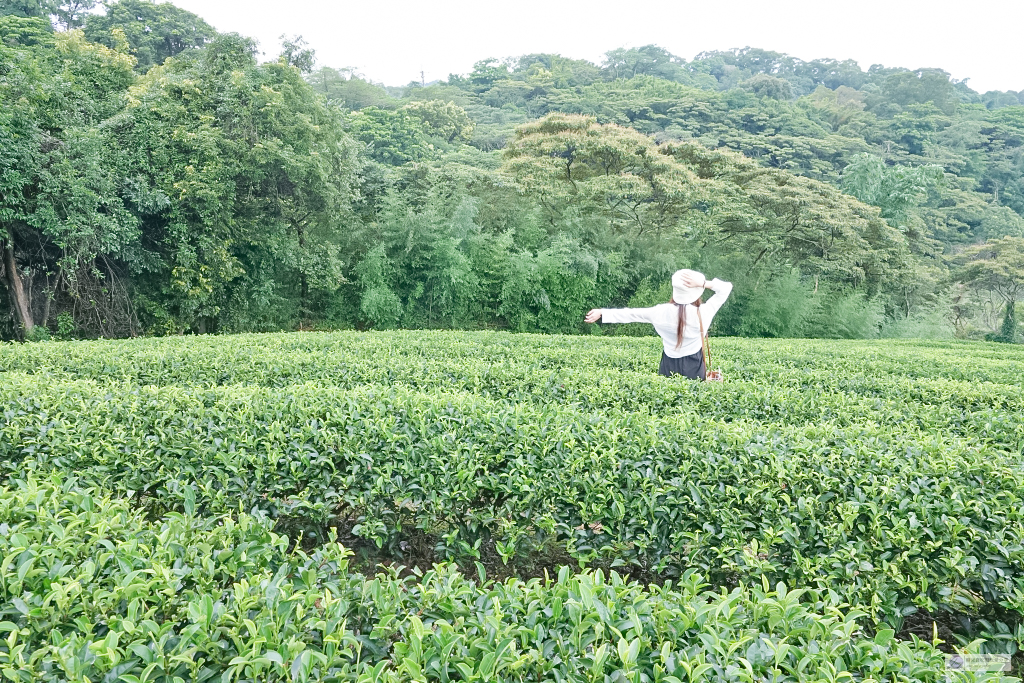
(95, 591)
(214, 508)
(153, 31)
(886, 475)
(158, 179)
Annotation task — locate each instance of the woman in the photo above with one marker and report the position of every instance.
(677, 322)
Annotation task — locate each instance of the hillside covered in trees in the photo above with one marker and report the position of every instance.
(157, 178)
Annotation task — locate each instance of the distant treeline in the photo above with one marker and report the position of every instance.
(156, 178)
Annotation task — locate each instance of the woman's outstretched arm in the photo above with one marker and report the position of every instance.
(620, 315)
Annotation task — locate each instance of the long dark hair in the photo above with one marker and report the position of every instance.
(681, 325)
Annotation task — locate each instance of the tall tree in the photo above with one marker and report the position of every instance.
(445, 120)
(649, 60)
(295, 52)
(61, 205)
(154, 30)
(71, 14)
(349, 90)
(896, 190)
(574, 165)
(771, 214)
(28, 9)
(258, 171)
(998, 266)
(391, 137)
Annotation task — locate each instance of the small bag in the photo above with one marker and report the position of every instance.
(711, 375)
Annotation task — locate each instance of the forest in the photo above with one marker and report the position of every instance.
(158, 178)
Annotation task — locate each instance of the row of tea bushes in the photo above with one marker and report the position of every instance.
(889, 518)
(841, 385)
(91, 590)
(349, 358)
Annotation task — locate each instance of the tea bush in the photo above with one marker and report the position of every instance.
(91, 590)
(885, 475)
(891, 517)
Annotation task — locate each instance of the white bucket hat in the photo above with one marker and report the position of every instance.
(686, 295)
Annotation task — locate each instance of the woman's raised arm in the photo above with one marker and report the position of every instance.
(721, 290)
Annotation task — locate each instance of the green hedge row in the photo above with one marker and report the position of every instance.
(90, 590)
(842, 384)
(346, 358)
(888, 518)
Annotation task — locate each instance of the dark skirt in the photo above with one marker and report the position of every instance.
(691, 366)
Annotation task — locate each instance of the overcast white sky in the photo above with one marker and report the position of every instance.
(393, 40)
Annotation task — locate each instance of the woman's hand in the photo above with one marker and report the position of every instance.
(593, 316)
(691, 281)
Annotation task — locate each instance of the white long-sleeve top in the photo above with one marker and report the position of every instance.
(665, 318)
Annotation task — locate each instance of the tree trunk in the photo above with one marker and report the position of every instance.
(300, 231)
(304, 313)
(17, 289)
(1008, 330)
(46, 303)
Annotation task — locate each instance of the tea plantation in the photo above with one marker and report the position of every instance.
(444, 506)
